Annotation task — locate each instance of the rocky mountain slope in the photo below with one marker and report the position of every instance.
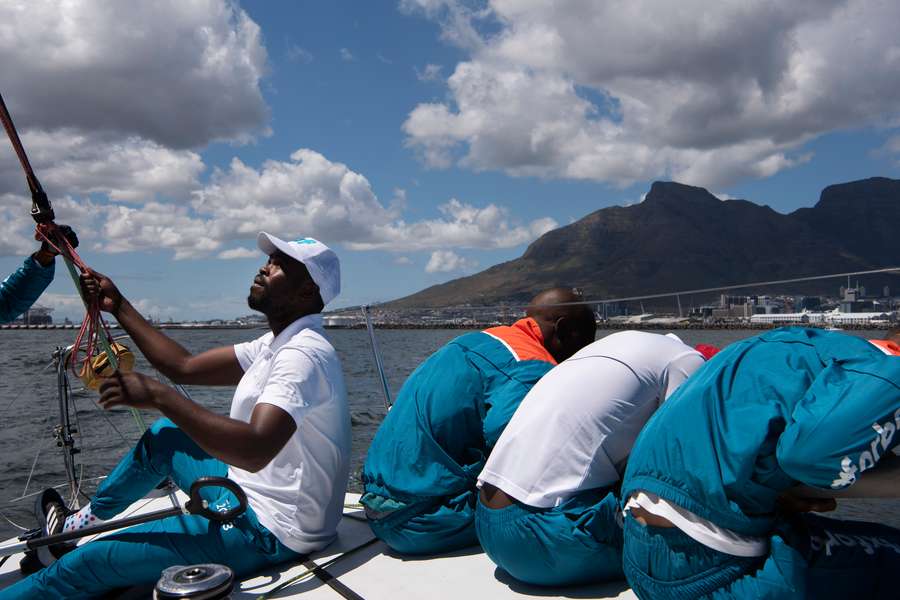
(682, 237)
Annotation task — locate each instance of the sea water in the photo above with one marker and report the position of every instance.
(29, 411)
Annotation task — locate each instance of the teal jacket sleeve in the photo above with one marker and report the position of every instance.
(21, 289)
(846, 422)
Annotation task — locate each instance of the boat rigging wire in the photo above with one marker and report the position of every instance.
(377, 354)
(708, 290)
(36, 457)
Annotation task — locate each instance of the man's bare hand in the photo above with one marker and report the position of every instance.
(131, 389)
(97, 285)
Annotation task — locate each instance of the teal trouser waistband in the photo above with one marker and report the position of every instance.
(577, 542)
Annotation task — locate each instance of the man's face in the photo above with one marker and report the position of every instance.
(282, 284)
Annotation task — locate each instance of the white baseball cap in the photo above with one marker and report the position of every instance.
(320, 260)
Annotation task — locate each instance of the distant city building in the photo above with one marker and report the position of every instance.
(835, 317)
(807, 303)
(788, 318)
(343, 320)
(36, 315)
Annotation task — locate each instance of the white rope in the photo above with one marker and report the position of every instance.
(36, 456)
(13, 523)
(58, 486)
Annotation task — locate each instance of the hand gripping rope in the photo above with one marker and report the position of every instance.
(94, 331)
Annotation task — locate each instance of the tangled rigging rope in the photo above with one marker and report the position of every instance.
(101, 350)
(94, 333)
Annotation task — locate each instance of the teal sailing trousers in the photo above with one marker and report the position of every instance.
(137, 555)
(576, 542)
(809, 557)
(434, 527)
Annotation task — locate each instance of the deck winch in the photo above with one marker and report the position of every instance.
(207, 582)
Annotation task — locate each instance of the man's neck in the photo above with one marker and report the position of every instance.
(278, 323)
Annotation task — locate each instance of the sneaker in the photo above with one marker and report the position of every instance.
(51, 512)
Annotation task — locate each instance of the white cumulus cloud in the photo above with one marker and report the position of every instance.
(114, 104)
(462, 225)
(431, 72)
(178, 72)
(235, 253)
(129, 169)
(706, 93)
(17, 226)
(307, 195)
(890, 148)
(445, 261)
(110, 98)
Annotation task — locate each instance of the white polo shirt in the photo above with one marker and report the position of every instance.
(299, 495)
(575, 428)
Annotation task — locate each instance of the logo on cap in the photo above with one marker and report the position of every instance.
(305, 241)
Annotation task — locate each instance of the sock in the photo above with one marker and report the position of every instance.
(81, 519)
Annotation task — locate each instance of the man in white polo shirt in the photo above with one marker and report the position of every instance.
(286, 440)
(548, 510)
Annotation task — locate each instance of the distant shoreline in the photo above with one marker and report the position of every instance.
(61, 326)
(624, 326)
(484, 325)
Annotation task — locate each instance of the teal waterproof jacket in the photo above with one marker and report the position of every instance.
(449, 414)
(21, 289)
(792, 406)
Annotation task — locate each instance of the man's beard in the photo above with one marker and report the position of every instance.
(259, 303)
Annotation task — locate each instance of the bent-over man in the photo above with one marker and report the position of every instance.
(711, 486)
(548, 508)
(286, 441)
(421, 469)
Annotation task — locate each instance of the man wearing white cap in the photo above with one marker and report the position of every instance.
(286, 440)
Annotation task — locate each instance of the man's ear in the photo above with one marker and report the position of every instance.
(563, 328)
(311, 291)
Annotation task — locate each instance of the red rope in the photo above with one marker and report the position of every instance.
(6, 119)
(93, 325)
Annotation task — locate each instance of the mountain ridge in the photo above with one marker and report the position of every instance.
(682, 237)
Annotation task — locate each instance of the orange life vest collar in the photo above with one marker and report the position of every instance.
(523, 339)
(887, 347)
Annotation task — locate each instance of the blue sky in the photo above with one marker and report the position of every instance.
(423, 139)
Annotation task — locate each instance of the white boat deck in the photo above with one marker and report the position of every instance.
(374, 573)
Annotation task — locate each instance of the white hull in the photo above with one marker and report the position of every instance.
(373, 573)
